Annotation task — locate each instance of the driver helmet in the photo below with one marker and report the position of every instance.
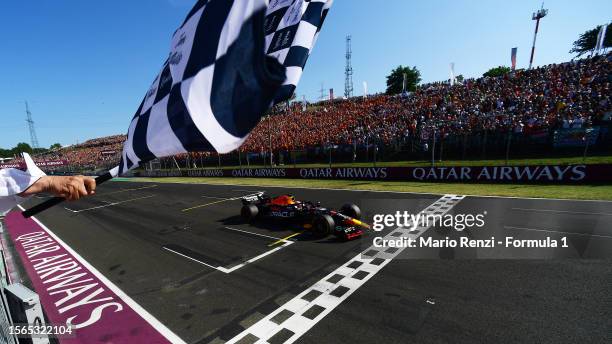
(284, 200)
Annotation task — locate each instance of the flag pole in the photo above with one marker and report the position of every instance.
(57, 200)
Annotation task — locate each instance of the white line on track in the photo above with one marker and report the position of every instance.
(258, 234)
(126, 190)
(235, 267)
(219, 201)
(314, 303)
(108, 205)
(558, 232)
(246, 191)
(212, 197)
(160, 327)
(190, 258)
(562, 211)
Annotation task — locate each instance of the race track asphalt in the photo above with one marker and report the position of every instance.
(140, 236)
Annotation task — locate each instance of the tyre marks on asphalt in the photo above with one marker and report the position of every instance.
(297, 316)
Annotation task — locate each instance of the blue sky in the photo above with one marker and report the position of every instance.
(84, 66)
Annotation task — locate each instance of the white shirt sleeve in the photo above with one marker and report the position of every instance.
(12, 183)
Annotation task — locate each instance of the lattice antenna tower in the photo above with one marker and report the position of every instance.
(30, 121)
(348, 71)
(322, 92)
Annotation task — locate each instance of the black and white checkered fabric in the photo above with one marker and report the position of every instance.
(292, 28)
(229, 62)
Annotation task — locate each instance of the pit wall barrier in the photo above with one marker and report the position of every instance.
(5, 315)
(544, 174)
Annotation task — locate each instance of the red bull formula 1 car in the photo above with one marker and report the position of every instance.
(345, 223)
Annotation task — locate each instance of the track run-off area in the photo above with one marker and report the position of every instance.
(176, 263)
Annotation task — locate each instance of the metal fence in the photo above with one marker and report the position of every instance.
(482, 145)
(435, 148)
(5, 316)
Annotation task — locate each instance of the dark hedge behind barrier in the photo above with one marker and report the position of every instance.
(551, 174)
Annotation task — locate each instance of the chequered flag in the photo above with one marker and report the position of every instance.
(292, 28)
(229, 62)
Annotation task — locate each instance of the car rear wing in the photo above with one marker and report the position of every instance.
(248, 199)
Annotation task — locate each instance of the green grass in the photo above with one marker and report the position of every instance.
(590, 192)
(605, 159)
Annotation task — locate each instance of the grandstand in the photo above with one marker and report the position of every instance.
(467, 210)
(539, 112)
(529, 104)
(91, 155)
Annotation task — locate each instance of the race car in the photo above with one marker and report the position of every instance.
(345, 223)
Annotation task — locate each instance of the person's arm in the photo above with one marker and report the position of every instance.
(70, 187)
(16, 186)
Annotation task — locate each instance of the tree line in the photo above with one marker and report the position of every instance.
(23, 147)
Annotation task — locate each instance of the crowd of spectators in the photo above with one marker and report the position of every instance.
(574, 94)
(93, 154)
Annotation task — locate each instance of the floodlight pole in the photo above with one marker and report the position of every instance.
(433, 148)
(586, 145)
(541, 13)
(270, 141)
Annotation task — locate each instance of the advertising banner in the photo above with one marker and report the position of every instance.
(41, 164)
(557, 174)
(72, 291)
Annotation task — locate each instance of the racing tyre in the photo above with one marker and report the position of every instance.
(351, 210)
(249, 212)
(323, 225)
